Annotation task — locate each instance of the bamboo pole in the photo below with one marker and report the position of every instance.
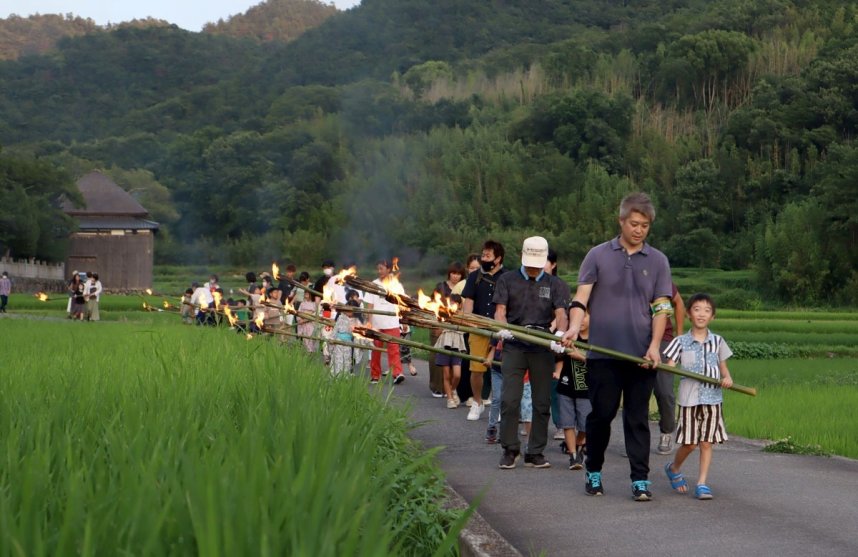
(325, 340)
(376, 335)
(543, 338)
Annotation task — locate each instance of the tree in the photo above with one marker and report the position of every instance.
(32, 224)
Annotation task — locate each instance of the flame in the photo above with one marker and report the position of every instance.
(217, 299)
(231, 316)
(145, 306)
(327, 294)
(149, 291)
(340, 277)
(262, 298)
(275, 271)
(395, 268)
(436, 304)
(249, 336)
(260, 321)
(288, 307)
(42, 296)
(166, 304)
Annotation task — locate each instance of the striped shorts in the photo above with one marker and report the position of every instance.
(700, 423)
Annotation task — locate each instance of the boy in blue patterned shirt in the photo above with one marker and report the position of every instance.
(700, 419)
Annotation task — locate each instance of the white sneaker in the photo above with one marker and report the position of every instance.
(451, 403)
(559, 435)
(470, 401)
(457, 399)
(475, 412)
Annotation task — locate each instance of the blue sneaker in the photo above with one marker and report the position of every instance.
(640, 490)
(593, 485)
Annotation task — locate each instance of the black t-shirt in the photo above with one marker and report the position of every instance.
(480, 287)
(573, 378)
(319, 285)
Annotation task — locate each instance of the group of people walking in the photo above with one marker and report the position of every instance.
(625, 301)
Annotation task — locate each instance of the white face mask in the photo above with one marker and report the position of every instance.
(329, 272)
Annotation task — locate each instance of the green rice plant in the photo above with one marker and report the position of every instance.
(805, 400)
(172, 440)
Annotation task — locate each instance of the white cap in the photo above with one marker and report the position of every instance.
(534, 252)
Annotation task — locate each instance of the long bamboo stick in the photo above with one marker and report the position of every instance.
(543, 338)
(376, 335)
(320, 339)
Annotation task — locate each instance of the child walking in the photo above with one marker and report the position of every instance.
(573, 400)
(307, 327)
(341, 355)
(700, 420)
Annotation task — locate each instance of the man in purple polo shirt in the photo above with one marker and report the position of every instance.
(626, 285)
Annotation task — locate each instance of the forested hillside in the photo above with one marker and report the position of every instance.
(425, 127)
(274, 20)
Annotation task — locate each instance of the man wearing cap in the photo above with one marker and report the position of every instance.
(529, 297)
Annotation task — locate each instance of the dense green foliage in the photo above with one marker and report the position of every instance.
(176, 440)
(422, 128)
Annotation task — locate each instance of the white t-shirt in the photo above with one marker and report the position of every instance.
(381, 304)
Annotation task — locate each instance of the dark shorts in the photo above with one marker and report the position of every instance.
(447, 360)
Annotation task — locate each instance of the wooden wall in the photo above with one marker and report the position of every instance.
(123, 262)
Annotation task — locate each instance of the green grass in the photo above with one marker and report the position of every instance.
(172, 440)
(809, 401)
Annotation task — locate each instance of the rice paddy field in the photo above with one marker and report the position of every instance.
(152, 438)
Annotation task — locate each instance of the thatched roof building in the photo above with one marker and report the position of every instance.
(114, 238)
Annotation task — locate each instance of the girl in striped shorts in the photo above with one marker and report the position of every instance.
(700, 421)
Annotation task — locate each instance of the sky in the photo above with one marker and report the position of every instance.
(187, 14)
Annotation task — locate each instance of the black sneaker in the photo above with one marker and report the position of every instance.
(576, 461)
(398, 379)
(564, 448)
(507, 461)
(492, 435)
(593, 486)
(536, 461)
(640, 491)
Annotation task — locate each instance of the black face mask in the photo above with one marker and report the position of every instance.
(487, 265)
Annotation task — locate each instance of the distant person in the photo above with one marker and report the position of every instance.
(478, 298)
(94, 289)
(451, 366)
(701, 421)
(626, 285)
(5, 290)
(77, 297)
(387, 324)
(187, 309)
(307, 327)
(327, 273)
(202, 300)
(437, 381)
(342, 358)
(472, 263)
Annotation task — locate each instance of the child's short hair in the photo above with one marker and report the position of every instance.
(353, 303)
(250, 276)
(304, 276)
(291, 268)
(701, 297)
(456, 299)
(189, 291)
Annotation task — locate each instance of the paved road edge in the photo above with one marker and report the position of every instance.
(478, 538)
